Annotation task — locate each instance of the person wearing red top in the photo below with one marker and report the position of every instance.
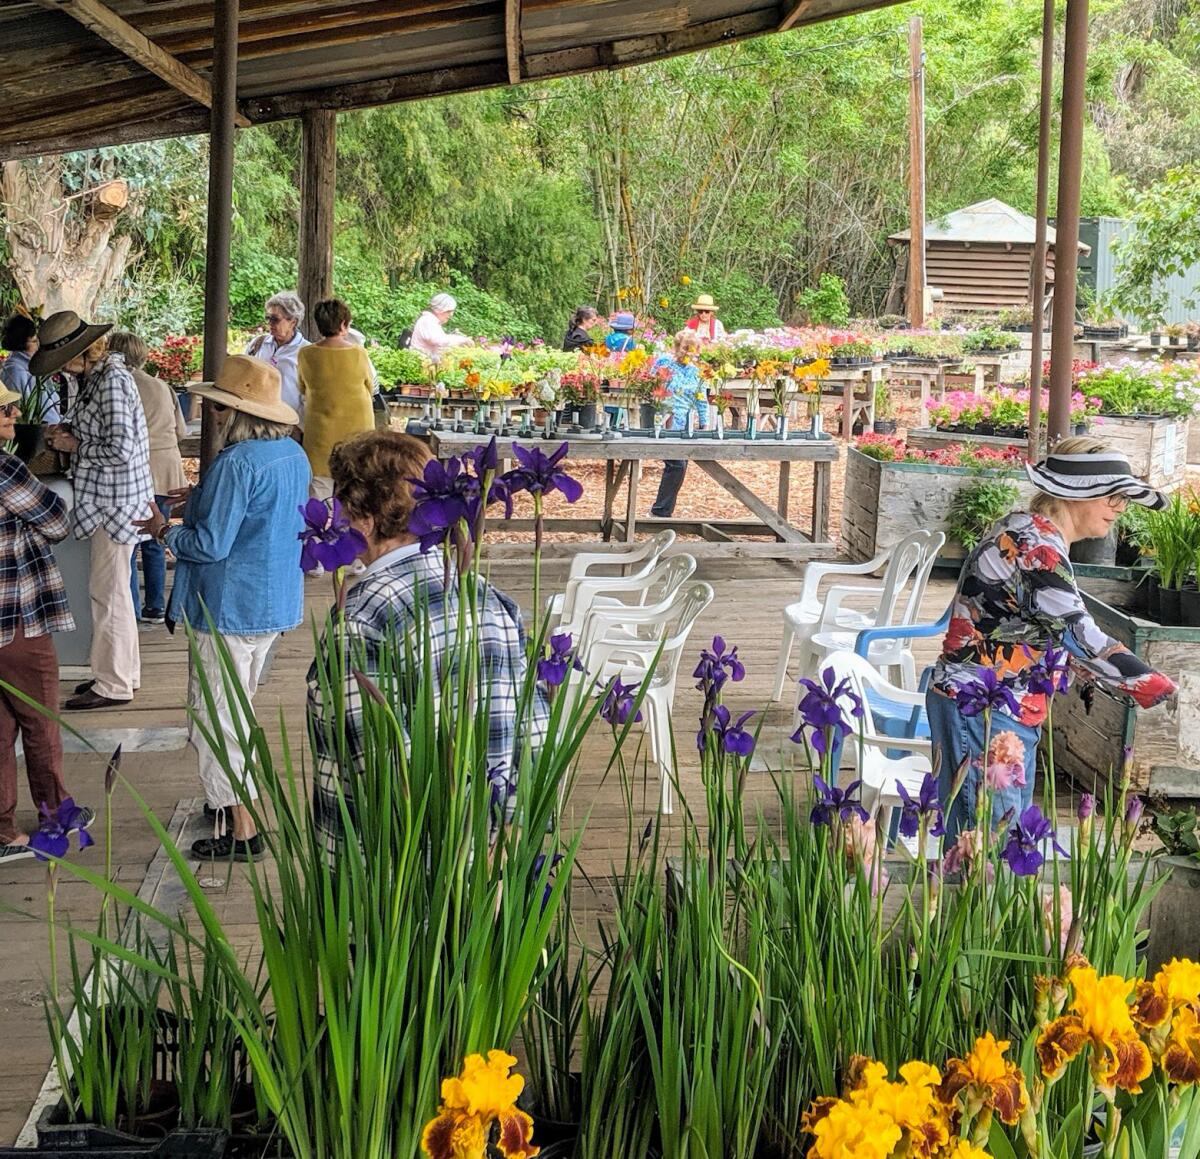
(1019, 630)
(704, 319)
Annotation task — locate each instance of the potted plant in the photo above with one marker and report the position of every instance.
(1175, 911)
(1018, 319)
(990, 341)
(978, 505)
(1173, 536)
(1175, 332)
(1156, 331)
(1193, 335)
(885, 411)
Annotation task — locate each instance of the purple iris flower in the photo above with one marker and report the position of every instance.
(1087, 806)
(832, 800)
(924, 805)
(1050, 675)
(539, 473)
(1134, 808)
(328, 539)
(985, 692)
(445, 496)
(716, 667)
(503, 787)
(618, 703)
(1025, 840)
(732, 737)
(53, 837)
(553, 669)
(539, 863)
(822, 712)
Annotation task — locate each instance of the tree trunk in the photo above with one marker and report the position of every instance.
(63, 252)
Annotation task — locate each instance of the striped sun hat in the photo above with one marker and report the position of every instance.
(1092, 476)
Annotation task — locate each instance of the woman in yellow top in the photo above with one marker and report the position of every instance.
(335, 390)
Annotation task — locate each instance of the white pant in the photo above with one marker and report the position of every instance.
(321, 487)
(249, 657)
(116, 658)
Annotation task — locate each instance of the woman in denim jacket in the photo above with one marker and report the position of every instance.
(238, 572)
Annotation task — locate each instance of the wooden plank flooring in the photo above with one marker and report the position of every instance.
(746, 611)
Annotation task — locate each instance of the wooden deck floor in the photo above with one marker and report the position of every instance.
(746, 611)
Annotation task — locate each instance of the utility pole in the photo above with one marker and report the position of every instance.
(1066, 240)
(916, 174)
(1038, 286)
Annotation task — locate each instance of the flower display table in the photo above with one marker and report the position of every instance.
(623, 457)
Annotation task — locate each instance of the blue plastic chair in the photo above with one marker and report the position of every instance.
(893, 719)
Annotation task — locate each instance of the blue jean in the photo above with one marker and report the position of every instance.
(956, 738)
(668, 488)
(154, 567)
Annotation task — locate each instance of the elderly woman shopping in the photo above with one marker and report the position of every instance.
(106, 433)
(282, 343)
(1019, 627)
(430, 336)
(33, 604)
(402, 593)
(687, 395)
(238, 574)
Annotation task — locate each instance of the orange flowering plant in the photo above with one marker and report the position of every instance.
(479, 1112)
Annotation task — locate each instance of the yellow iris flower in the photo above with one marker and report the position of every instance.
(988, 1081)
(484, 1093)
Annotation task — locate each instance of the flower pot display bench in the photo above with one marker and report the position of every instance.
(1164, 742)
(1156, 447)
(989, 369)
(884, 502)
(623, 457)
(925, 377)
(855, 386)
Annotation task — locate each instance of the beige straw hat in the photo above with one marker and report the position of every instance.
(705, 302)
(60, 338)
(250, 385)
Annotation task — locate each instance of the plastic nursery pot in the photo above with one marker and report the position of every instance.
(1189, 607)
(587, 415)
(1156, 339)
(646, 412)
(884, 426)
(28, 440)
(1153, 598)
(1170, 611)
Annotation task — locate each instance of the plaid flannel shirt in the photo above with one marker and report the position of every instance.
(112, 466)
(382, 609)
(31, 587)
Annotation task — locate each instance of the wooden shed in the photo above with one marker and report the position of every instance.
(981, 257)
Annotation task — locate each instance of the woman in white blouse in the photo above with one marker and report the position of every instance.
(429, 336)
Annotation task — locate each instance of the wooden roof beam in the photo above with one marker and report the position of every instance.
(512, 39)
(98, 18)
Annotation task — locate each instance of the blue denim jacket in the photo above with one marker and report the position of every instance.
(238, 550)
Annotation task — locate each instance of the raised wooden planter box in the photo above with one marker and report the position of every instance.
(931, 439)
(1165, 740)
(1157, 448)
(883, 502)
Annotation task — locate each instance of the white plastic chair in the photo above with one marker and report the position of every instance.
(897, 601)
(873, 765)
(626, 643)
(565, 610)
(607, 616)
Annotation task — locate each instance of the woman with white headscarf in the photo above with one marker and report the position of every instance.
(429, 336)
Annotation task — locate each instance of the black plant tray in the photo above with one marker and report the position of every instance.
(57, 1136)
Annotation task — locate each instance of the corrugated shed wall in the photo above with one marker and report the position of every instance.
(980, 276)
(1099, 268)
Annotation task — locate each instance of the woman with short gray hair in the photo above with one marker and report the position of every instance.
(429, 335)
(282, 343)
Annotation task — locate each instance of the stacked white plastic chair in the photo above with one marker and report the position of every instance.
(644, 645)
(587, 585)
(896, 600)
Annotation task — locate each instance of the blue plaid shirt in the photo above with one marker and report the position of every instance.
(381, 610)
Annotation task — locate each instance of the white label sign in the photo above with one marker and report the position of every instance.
(1169, 450)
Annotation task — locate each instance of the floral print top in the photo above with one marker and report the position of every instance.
(1016, 598)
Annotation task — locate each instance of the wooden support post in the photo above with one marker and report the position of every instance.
(318, 175)
(785, 488)
(220, 209)
(1066, 244)
(916, 174)
(1038, 280)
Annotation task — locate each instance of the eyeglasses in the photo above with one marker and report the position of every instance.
(10, 408)
(219, 408)
(1118, 502)
(275, 319)
(703, 311)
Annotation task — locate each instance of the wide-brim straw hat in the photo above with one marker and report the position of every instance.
(8, 396)
(249, 385)
(705, 302)
(60, 338)
(1092, 476)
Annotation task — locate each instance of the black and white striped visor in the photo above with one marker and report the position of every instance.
(1092, 477)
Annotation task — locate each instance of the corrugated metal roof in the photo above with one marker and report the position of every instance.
(989, 221)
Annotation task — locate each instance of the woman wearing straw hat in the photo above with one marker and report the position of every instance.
(106, 433)
(1019, 628)
(704, 319)
(238, 574)
(33, 604)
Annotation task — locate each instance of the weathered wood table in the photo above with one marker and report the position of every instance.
(623, 457)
